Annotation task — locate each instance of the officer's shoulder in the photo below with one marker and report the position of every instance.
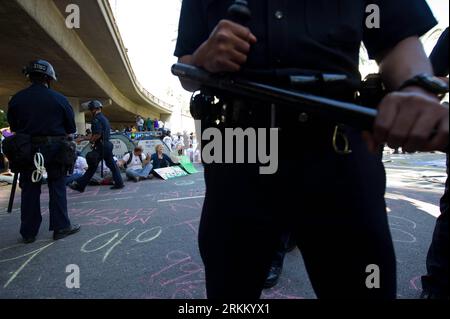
(21, 93)
(58, 95)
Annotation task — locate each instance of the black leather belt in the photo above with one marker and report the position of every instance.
(246, 113)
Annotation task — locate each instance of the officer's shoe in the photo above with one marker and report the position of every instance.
(60, 234)
(273, 277)
(28, 240)
(76, 187)
(117, 187)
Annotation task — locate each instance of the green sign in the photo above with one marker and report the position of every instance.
(186, 164)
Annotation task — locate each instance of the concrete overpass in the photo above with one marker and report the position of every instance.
(91, 61)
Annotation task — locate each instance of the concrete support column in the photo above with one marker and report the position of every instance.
(80, 119)
(167, 119)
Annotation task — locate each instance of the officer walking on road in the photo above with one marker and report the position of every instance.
(336, 206)
(43, 119)
(102, 150)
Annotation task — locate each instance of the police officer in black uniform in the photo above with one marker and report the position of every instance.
(102, 150)
(336, 201)
(48, 118)
(436, 283)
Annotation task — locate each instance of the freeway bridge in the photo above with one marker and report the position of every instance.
(91, 61)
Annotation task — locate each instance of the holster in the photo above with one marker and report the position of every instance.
(68, 154)
(372, 91)
(19, 151)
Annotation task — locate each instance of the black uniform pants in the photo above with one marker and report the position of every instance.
(31, 192)
(437, 279)
(333, 203)
(285, 242)
(109, 161)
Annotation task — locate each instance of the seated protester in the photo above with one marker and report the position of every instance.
(79, 169)
(136, 164)
(159, 159)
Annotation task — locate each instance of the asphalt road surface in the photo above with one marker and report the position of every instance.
(141, 242)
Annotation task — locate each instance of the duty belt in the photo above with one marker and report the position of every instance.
(244, 113)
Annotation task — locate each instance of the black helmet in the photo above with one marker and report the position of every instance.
(40, 66)
(95, 105)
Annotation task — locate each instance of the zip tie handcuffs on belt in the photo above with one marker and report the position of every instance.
(39, 162)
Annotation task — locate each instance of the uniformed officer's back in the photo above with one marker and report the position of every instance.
(42, 120)
(101, 124)
(41, 111)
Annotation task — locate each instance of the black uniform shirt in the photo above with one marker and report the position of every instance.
(439, 56)
(100, 125)
(40, 111)
(320, 35)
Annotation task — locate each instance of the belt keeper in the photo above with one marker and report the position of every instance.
(338, 133)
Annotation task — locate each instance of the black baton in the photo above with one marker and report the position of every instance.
(357, 116)
(13, 193)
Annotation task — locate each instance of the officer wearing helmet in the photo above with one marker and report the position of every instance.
(102, 149)
(42, 119)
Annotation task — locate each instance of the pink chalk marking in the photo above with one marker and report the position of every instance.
(277, 292)
(187, 295)
(168, 282)
(175, 207)
(192, 282)
(190, 224)
(136, 219)
(176, 262)
(413, 281)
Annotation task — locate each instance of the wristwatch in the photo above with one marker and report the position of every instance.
(429, 83)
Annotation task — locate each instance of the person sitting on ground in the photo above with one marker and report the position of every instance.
(138, 166)
(159, 159)
(79, 169)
